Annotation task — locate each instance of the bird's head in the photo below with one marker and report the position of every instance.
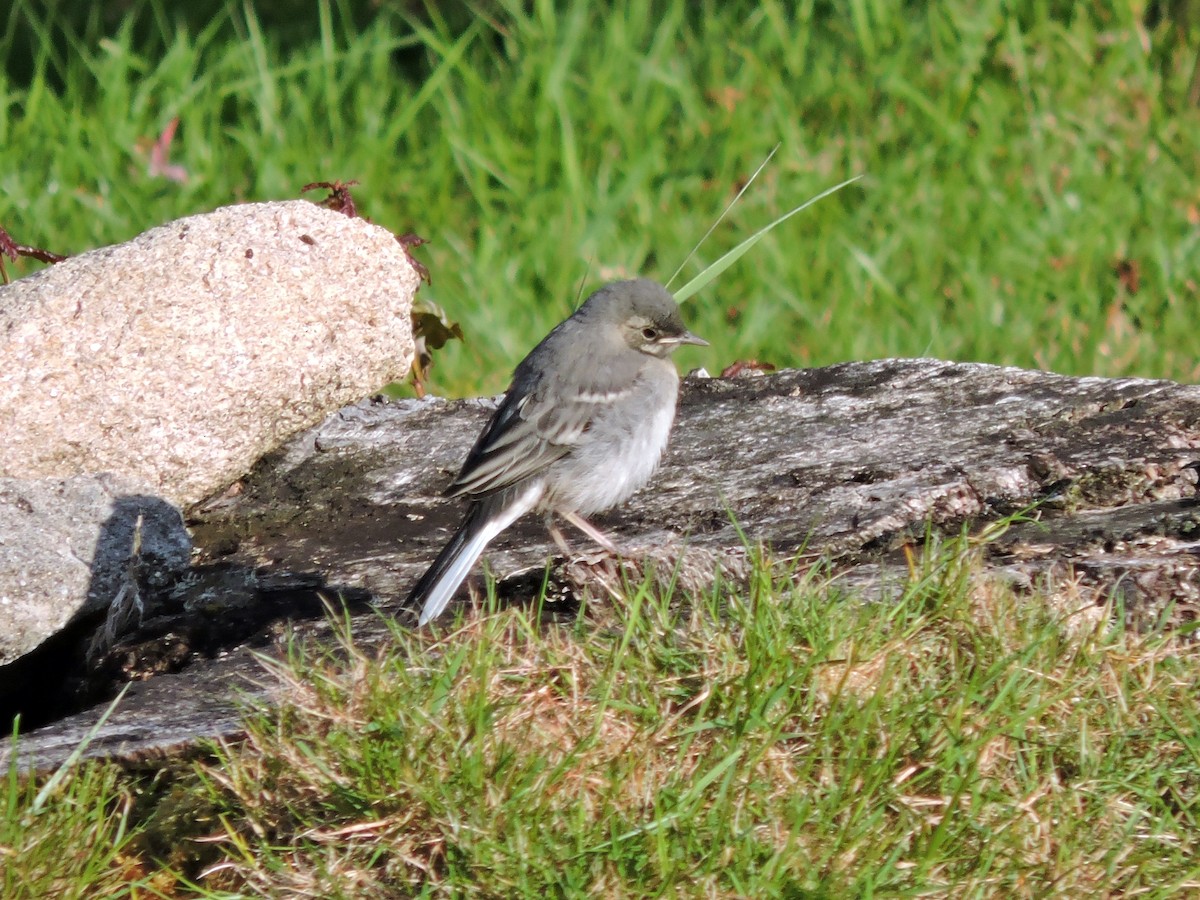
(645, 314)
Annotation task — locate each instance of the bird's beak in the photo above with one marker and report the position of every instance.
(686, 338)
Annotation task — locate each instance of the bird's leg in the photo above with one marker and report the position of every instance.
(556, 534)
(590, 530)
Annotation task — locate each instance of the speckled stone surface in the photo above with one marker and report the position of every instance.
(183, 355)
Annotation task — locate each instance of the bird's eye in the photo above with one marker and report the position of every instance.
(650, 334)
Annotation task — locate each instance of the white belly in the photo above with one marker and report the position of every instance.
(621, 450)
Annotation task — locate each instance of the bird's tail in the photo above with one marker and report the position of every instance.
(486, 518)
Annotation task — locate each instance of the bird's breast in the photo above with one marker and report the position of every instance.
(621, 447)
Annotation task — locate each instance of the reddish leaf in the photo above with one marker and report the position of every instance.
(339, 199)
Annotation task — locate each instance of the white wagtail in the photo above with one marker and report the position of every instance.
(583, 425)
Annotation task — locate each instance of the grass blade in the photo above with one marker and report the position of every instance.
(69, 763)
(725, 212)
(701, 281)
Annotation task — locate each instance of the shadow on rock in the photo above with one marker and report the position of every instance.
(148, 613)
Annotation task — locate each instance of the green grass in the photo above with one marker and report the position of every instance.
(71, 842)
(776, 740)
(1012, 161)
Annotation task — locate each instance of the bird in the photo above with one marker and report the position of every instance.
(583, 425)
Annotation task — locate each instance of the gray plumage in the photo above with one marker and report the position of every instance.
(583, 425)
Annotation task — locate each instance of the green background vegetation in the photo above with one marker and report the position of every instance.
(1030, 198)
(1019, 157)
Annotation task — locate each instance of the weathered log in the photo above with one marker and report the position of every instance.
(850, 463)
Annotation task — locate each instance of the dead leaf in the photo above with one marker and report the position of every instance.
(339, 199)
(432, 329)
(747, 367)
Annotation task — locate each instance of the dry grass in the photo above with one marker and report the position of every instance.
(965, 741)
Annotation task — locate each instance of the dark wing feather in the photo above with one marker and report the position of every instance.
(529, 431)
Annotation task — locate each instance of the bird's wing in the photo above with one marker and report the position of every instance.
(531, 429)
